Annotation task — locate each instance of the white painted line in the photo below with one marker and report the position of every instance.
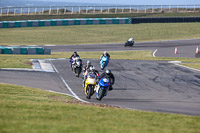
(60, 93)
(174, 62)
(54, 67)
(74, 94)
(33, 45)
(154, 53)
(50, 45)
(188, 67)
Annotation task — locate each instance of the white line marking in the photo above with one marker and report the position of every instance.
(154, 53)
(74, 94)
(60, 93)
(188, 67)
(50, 45)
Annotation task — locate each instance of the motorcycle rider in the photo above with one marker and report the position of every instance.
(88, 71)
(87, 66)
(106, 54)
(108, 74)
(130, 40)
(73, 56)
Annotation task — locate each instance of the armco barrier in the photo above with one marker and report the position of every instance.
(25, 50)
(63, 22)
(137, 20)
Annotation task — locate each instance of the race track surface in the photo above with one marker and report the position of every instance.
(156, 86)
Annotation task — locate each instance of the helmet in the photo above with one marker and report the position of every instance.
(105, 53)
(88, 62)
(75, 53)
(108, 72)
(92, 68)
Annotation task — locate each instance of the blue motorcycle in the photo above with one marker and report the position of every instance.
(104, 62)
(102, 88)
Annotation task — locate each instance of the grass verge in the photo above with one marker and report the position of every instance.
(24, 109)
(23, 61)
(90, 34)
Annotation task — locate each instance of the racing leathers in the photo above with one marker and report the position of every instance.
(111, 78)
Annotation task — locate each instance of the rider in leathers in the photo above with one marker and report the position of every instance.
(88, 71)
(109, 75)
(87, 66)
(106, 54)
(73, 55)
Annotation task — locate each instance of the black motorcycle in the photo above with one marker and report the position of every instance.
(129, 44)
(77, 67)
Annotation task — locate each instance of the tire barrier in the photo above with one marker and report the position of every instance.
(25, 50)
(63, 22)
(165, 20)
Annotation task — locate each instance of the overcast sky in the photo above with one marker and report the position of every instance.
(136, 2)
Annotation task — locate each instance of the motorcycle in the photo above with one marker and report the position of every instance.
(90, 85)
(129, 44)
(102, 88)
(104, 62)
(77, 67)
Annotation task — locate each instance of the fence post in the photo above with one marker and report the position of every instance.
(86, 10)
(101, 9)
(29, 11)
(8, 10)
(186, 8)
(57, 10)
(65, 10)
(43, 11)
(14, 11)
(137, 9)
(122, 9)
(108, 9)
(72, 10)
(50, 10)
(94, 9)
(177, 9)
(1, 11)
(115, 9)
(169, 8)
(79, 10)
(194, 7)
(130, 9)
(35, 10)
(145, 9)
(21, 11)
(161, 7)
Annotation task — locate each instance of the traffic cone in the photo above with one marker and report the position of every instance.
(176, 50)
(197, 50)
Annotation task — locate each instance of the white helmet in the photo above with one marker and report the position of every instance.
(89, 62)
(92, 68)
(105, 52)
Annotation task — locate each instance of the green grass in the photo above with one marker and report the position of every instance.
(42, 17)
(24, 109)
(89, 34)
(23, 61)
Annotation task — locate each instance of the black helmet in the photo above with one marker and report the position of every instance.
(75, 53)
(108, 72)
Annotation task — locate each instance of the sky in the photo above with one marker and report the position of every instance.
(136, 2)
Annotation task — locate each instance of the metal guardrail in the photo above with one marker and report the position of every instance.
(62, 10)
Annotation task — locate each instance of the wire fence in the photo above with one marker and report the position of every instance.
(62, 10)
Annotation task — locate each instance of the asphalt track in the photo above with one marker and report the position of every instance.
(141, 85)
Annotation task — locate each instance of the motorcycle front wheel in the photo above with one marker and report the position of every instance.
(89, 92)
(101, 93)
